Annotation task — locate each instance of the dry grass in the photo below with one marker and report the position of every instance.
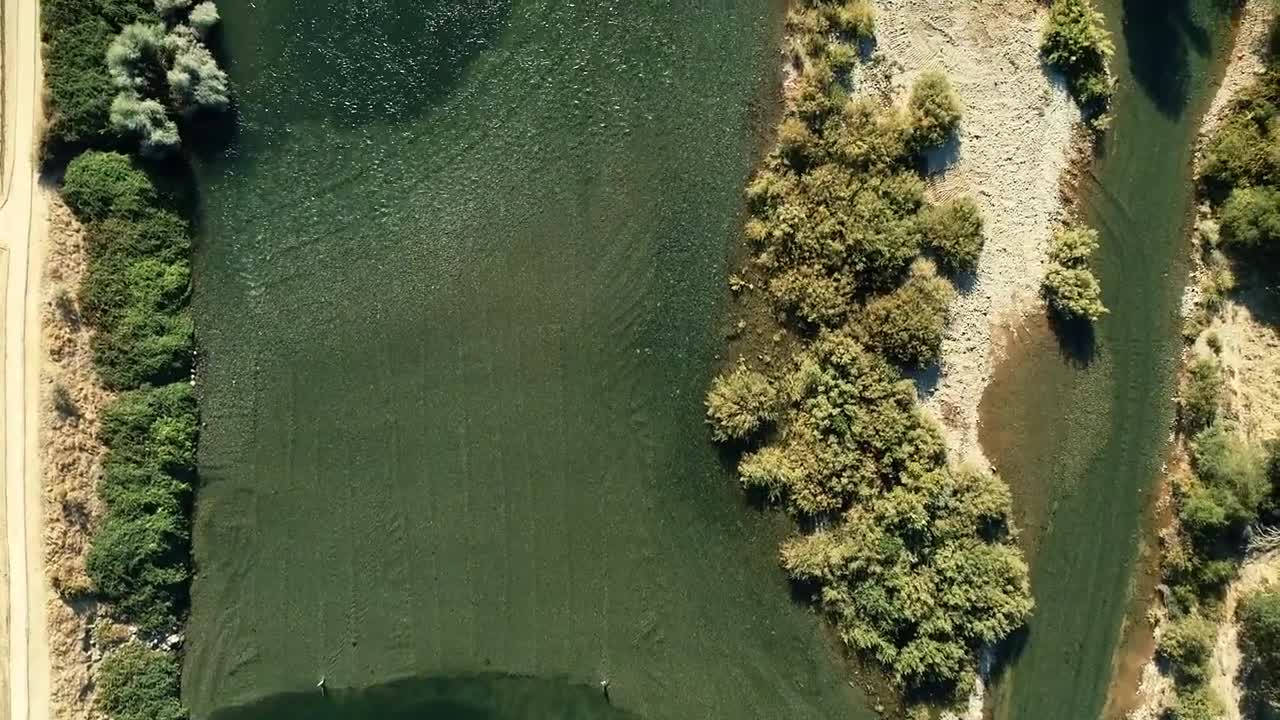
(71, 458)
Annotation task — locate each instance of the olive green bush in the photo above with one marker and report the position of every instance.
(137, 683)
(933, 110)
(1187, 645)
(1250, 218)
(1196, 703)
(740, 404)
(1244, 151)
(137, 283)
(1201, 395)
(1076, 42)
(906, 325)
(138, 557)
(1259, 617)
(952, 232)
(1069, 285)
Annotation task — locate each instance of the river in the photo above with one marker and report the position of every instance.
(1079, 425)
(459, 289)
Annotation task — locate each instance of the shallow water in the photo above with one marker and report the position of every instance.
(460, 270)
(1078, 427)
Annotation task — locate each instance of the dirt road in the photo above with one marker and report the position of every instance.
(21, 229)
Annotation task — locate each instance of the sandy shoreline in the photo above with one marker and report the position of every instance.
(1014, 146)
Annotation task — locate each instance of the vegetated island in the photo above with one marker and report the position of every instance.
(119, 440)
(911, 557)
(1218, 627)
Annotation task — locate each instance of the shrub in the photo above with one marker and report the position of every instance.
(1076, 42)
(906, 326)
(740, 403)
(137, 683)
(1259, 616)
(1069, 285)
(933, 110)
(1198, 703)
(101, 184)
(1187, 645)
(952, 231)
(203, 18)
(854, 18)
(1251, 218)
(1201, 395)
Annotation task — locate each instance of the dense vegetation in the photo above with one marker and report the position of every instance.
(128, 69)
(912, 559)
(1259, 616)
(1077, 43)
(1070, 286)
(134, 295)
(128, 73)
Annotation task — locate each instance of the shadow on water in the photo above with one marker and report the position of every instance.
(471, 697)
(346, 63)
(1160, 36)
(1077, 339)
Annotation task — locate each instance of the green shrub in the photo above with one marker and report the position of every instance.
(906, 326)
(1187, 645)
(1251, 218)
(952, 231)
(1198, 703)
(1259, 616)
(1076, 42)
(98, 185)
(1069, 285)
(740, 403)
(933, 110)
(922, 575)
(138, 558)
(1201, 395)
(137, 683)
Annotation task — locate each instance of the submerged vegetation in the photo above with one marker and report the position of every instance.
(1077, 43)
(1069, 284)
(912, 558)
(126, 73)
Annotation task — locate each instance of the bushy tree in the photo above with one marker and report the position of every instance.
(1076, 41)
(137, 683)
(1069, 285)
(102, 184)
(1259, 616)
(196, 82)
(203, 18)
(740, 403)
(1250, 218)
(1187, 645)
(137, 57)
(1201, 395)
(952, 231)
(147, 120)
(933, 110)
(907, 325)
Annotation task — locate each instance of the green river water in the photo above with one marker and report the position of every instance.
(1079, 428)
(460, 274)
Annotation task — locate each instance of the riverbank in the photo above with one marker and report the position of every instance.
(1013, 150)
(1238, 332)
(72, 452)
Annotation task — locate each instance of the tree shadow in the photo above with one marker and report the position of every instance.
(1077, 339)
(1160, 36)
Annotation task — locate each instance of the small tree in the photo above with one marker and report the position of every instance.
(147, 120)
(203, 18)
(739, 404)
(1251, 218)
(1069, 285)
(907, 325)
(1201, 395)
(195, 80)
(1187, 645)
(1076, 42)
(933, 110)
(1259, 616)
(952, 230)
